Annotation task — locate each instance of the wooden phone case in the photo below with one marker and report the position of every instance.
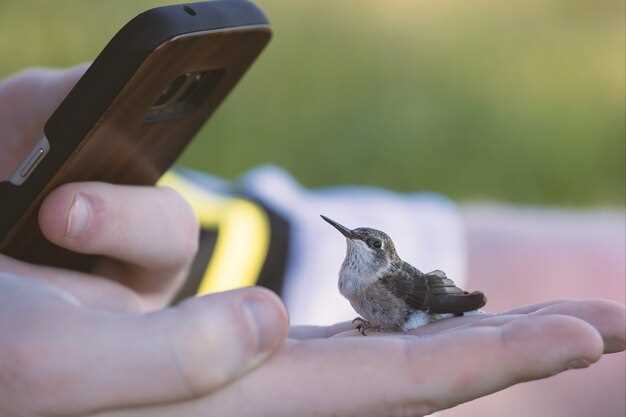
(105, 130)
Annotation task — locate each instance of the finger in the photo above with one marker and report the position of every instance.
(523, 349)
(608, 317)
(151, 232)
(534, 307)
(174, 355)
(146, 226)
(403, 376)
(92, 291)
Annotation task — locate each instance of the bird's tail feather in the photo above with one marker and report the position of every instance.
(457, 303)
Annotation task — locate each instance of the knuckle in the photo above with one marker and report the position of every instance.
(223, 326)
(244, 332)
(189, 361)
(24, 76)
(189, 333)
(32, 73)
(32, 79)
(212, 346)
(264, 293)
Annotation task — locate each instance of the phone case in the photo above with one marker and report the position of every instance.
(112, 126)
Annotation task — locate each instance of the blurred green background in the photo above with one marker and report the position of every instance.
(519, 101)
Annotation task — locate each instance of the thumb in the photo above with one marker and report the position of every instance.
(172, 355)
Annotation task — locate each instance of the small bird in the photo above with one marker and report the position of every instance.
(391, 294)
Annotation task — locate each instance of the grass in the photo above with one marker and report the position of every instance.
(518, 101)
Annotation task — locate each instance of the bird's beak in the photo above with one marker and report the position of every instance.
(344, 230)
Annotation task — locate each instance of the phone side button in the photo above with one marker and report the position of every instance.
(27, 167)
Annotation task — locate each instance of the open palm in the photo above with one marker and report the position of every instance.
(318, 371)
(334, 371)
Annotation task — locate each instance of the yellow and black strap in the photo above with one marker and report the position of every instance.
(242, 242)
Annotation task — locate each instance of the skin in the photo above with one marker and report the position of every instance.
(203, 357)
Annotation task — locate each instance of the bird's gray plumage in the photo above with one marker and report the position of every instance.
(387, 291)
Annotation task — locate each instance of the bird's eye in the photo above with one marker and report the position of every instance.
(375, 243)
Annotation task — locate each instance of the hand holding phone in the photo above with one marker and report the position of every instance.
(133, 112)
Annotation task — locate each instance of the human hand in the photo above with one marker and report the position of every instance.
(333, 371)
(61, 357)
(76, 343)
(134, 260)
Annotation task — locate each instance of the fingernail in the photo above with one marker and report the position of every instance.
(578, 364)
(78, 219)
(265, 318)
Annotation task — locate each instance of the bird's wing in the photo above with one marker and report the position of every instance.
(433, 292)
(408, 284)
(445, 297)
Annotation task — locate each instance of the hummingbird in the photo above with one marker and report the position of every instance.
(391, 294)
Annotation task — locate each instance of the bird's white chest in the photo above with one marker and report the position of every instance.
(357, 271)
(353, 281)
(349, 283)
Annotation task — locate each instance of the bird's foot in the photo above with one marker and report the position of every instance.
(362, 325)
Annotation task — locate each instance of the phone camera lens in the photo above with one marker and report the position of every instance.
(170, 90)
(185, 94)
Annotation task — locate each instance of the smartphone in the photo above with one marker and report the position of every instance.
(133, 112)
